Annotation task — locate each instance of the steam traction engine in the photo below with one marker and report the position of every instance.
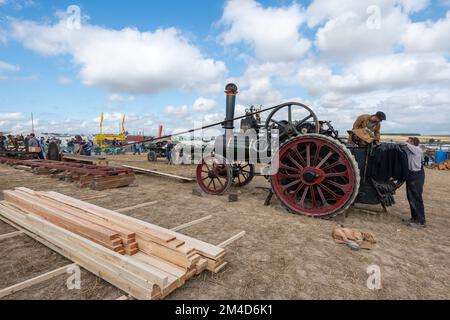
(318, 174)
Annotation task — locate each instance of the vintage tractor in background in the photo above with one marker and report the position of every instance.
(319, 175)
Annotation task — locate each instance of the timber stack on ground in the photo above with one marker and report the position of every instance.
(92, 176)
(98, 161)
(443, 166)
(144, 260)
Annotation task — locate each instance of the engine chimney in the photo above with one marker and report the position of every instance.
(231, 90)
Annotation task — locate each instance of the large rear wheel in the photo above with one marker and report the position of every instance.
(317, 176)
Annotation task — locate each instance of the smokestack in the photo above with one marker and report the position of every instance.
(231, 90)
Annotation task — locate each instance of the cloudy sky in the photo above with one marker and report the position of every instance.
(167, 62)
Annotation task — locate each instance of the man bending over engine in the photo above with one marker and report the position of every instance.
(370, 124)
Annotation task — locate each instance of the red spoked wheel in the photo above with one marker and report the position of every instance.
(243, 174)
(214, 175)
(317, 176)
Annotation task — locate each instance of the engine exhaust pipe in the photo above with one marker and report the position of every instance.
(231, 91)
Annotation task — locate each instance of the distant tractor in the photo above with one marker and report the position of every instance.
(318, 174)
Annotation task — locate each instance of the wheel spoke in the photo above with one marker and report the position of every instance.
(337, 185)
(290, 114)
(293, 183)
(331, 166)
(286, 167)
(300, 187)
(325, 159)
(335, 195)
(336, 174)
(313, 196)
(322, 197)
(305, 193)
(308, 155)
(299, 156)
(295, 162)
(317, 154)
(210, 182)
(214, 184)
(305, 119)
(278, 123)
(220, 181)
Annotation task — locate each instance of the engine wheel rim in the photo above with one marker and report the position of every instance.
(315, 177)
(214, 176)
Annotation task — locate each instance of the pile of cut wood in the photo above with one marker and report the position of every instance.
(98, 161)
(442, 166)
(93, 176)
(142, 259)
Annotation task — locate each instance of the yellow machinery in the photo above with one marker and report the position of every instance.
(105, 140)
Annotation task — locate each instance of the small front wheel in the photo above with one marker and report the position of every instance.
(214, 175)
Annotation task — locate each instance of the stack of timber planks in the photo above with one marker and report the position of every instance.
(95, 177)
(98, 161)
(142, 259)
(444, 166)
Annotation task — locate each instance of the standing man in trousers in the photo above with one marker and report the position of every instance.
(415, 183)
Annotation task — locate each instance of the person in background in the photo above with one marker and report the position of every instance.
(33, 142)
(169, 147)
(2, 142)
(136, 149)
(415, 183)
(371, 122)
(87, 148)
(426, 161)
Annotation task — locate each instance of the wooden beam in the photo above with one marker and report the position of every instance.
(123, 298)
(142, 205)
(106, 273)
(80, 247)
(157, 173)
(10, 235)
(94, 197)
(190, 224)
(31, 282)
(231, 240)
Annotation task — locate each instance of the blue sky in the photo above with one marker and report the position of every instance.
(168, 61)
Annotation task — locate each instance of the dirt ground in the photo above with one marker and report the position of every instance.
(282, 256)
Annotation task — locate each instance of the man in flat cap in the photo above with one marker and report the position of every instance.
(369, 123)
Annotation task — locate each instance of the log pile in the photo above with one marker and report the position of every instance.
(142, 259)
(98, 161)
(92, 176)
(443, 166)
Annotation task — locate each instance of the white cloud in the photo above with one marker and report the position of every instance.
(385, 72)
(125, 60)
(319, 11)
(8, 67)
(428, 36)
(272, 32)
(259, 91)
(408, 110)
(347, 37)
(115, 97)
(11, 116)
(204, 104)
(177, 112)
